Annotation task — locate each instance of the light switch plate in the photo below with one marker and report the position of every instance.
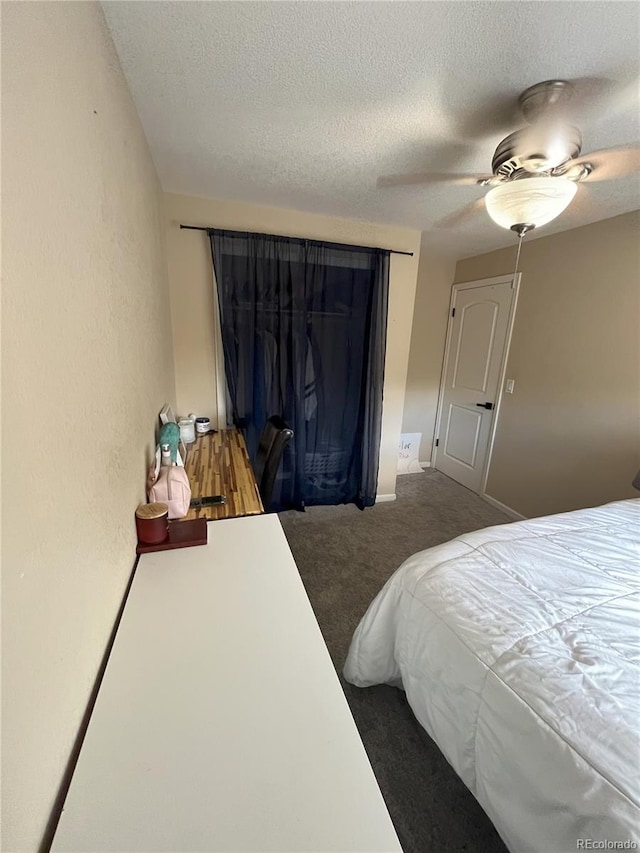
(509, 385)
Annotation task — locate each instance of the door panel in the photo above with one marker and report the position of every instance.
(478, 335)
(461, 439)
(475, 344)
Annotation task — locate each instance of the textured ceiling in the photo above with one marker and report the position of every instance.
(305, 104)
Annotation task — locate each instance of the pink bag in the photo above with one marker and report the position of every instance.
(172, 488)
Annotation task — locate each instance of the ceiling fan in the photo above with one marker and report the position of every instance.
(535, 170)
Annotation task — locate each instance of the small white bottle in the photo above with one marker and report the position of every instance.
(165, 455)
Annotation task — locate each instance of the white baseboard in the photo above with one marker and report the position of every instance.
(381, 499)
(506, 509)
(424, 464)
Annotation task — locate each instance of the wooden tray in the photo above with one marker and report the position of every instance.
(182, 534)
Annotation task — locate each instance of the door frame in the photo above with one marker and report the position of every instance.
(469, 285)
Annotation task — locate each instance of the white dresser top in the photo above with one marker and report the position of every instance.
(220, 724)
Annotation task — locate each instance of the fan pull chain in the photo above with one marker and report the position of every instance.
(520, 239)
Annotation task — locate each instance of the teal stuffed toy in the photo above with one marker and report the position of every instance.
(170, 434)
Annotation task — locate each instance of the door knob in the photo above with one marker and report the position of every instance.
(485, 405)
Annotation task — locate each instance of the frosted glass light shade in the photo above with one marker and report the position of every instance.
(529, 201)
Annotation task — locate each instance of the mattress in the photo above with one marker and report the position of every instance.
(518, 647)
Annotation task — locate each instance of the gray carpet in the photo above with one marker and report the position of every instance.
(345, 556)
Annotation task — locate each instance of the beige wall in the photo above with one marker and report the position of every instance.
(569, 437)
(430, 318)
(192, 304)
(86, 367)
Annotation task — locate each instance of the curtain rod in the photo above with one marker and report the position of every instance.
(391, 251)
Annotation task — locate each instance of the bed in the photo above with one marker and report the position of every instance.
(518, 647)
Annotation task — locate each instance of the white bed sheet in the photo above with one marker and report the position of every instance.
(518, 647)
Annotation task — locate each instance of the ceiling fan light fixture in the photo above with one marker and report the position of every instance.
(529, 201)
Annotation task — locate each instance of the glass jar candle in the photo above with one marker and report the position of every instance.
(187, 430)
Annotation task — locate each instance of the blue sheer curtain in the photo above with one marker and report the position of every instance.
(303, 331)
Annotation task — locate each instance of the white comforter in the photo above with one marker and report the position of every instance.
(518, 648)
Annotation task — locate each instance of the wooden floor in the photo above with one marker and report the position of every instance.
(218, 464)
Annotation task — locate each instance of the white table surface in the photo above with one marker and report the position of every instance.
(220, 724)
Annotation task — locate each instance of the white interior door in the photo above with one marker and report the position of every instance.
(477, 343)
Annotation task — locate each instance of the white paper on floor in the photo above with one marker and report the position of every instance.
(409, 453)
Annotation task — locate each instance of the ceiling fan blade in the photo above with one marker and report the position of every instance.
(607, 164)
(436, 177)
(596, 98)
(465, 213)
(579, 101)
(492, 116)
